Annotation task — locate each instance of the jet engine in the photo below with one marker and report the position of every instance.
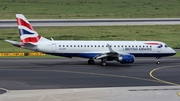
(127, 58)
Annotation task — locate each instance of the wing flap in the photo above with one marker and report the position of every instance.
(101, 56)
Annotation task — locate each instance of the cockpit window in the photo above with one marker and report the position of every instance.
(165, 45)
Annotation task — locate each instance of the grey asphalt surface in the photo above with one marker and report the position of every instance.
(63, 73)
(93, 22)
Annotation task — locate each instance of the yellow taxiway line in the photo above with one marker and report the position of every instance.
(178, 93)
(163, 81)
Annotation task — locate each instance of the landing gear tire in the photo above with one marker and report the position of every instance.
(103, 63)
(91, 62)
(158, 62)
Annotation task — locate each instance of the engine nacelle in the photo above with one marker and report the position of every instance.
(128, 58)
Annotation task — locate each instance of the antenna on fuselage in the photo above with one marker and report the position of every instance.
(52, 39)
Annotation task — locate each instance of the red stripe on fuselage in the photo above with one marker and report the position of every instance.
(152, 43)
(23, 23)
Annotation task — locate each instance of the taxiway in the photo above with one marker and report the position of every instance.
(57, 73)
(62, 79)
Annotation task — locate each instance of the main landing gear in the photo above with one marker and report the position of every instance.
(158, 61)
(91, 62)
(103, 63)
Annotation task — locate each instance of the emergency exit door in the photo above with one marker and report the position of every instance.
(53, 47)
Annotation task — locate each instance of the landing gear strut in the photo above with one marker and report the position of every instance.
(103, 62)
(158, 61)
(91, 62)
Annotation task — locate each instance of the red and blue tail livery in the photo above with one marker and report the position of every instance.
(26, 31)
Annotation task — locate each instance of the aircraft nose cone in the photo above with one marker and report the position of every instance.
(173, 51)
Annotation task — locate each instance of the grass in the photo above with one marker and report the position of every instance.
(169, 34)
(55, 9)
(177, 54)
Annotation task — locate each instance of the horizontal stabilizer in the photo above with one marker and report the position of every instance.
(19, 44)
(15, 43)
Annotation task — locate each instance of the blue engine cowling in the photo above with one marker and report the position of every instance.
(128, 58)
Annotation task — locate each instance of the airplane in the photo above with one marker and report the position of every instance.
(120, 51)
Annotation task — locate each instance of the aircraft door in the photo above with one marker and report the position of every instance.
(159, 48)
(53, 47)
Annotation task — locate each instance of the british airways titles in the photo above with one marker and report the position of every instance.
(138, 49)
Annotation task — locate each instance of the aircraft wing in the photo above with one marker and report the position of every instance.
(111, 53)
(101, 56)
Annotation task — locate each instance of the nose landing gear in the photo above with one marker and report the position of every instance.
(158, 61)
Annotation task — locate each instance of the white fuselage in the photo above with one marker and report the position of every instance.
(91, 48)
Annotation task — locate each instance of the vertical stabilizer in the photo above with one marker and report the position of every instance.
(27, 32)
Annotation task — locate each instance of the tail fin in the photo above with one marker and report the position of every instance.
(27, 32)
